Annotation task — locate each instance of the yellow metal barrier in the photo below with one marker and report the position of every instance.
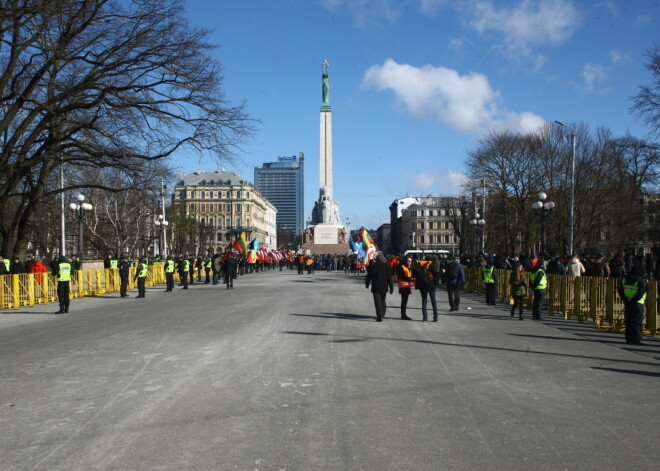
(41, 288)
(582, 297)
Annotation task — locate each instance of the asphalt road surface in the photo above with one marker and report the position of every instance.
(291, 372)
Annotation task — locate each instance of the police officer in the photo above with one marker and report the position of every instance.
(169, 274)
(141, 277)
(62, 273)
(539, 282)
(490, 280)
(124, 267)
(184, 271)
(633, 293)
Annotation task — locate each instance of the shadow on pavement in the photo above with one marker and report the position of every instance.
(630, 372)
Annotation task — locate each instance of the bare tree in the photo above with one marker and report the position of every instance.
(646, 104)
(98, 83)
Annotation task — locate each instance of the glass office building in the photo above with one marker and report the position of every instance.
(282, 183)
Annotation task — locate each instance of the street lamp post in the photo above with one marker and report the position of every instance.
(161, 223)
(543, 209)
(571, 204)
(79, 207)
(479, 241)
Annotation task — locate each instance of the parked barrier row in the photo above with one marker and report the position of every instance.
(41, 288)
(582, 297)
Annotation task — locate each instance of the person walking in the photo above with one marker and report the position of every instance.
(575, 267)
(425, 281)
(454, 279)
(538, 281)
(518, 282)
(380, 278)
(62, 273)
(490, 280)
(405, 283)
(169, 274)
(229, 270)
(141, 277)
(632, 290)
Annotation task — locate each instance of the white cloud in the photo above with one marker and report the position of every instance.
(443, 182)
(526, 25)
(618, 57)
(466, 103)
(594, 77)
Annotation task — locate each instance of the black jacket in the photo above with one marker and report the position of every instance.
(380, 277)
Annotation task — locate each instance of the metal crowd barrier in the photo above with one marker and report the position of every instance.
(582, 297)
(41, 288)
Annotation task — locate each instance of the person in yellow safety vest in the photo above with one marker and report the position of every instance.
(5, 266)
(490, 281)
(141, 277)
(62, 273)
(539, 282)
(169, 274)
(633, 293)
(114, 263)
(208, 263)
(405, 282)
(184, 270)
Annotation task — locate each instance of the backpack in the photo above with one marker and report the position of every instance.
(452, 272)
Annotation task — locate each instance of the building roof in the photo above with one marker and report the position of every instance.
(213, 178)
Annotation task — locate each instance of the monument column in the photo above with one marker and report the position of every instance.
(325, 153)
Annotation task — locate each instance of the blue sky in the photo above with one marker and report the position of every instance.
(414, 83)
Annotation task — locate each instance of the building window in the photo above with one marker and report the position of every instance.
(238, 194)
(421, 225)
(211, 221)
(228, 208)
(219, 236)
(227, 222)
(247, 222)
(238, 208)
(203, 207)
(238, 222)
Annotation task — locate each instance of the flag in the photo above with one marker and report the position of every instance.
(236, 246)
(254, 245)
(366, 239)
(357, 248)
(252, 256)
(240, 238)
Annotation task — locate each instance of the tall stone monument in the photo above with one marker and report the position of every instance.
(326, 234)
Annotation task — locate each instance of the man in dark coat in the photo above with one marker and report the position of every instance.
(380, 277)
(124, 267)
(229, 270)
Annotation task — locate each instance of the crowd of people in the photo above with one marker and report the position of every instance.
(527, 276)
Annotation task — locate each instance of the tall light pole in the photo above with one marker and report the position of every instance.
(544, 210)
(161, 223)
(164, 222)
(478, 235)
(79, 207)
(571, 204)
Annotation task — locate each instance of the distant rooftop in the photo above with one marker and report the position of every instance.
(213, 178)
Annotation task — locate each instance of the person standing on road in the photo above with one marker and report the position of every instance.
(490, 281)
(632, 290)
(184, 269)
(405, 280)
(216, 266)
(454, 279)
(124, 268)
(538, 281)
(62, 273)
(425, 278)
(229, 270)
(169, 274)
(141, 277)
(518, 282)
(380, 278)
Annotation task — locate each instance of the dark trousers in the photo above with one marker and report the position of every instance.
(63, 295)
(381, 306)
(537, 304)
(169, 281)
(208, 275)
(229, 280)
(454, 295)
(634, 316)
(434, 304)
(490, 293)
(519, 302)
(184, 279)
(405, 293)
(140, 286)
(123, 286)
(215, 277)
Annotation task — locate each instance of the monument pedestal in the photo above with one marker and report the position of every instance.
(326, 239)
